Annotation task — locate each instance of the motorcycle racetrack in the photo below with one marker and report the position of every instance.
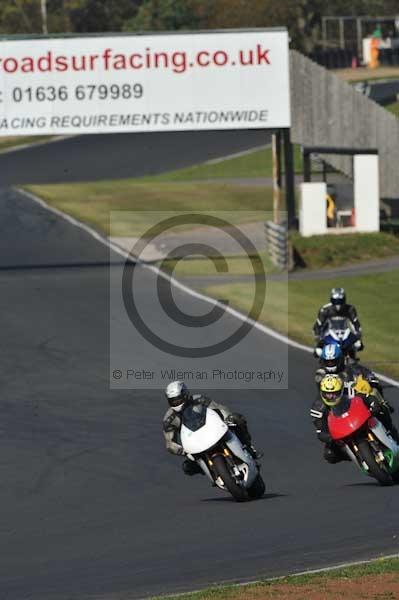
(91, 504)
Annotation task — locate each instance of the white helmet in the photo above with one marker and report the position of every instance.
(177, 395)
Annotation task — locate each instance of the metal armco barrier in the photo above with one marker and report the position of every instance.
(277, 244)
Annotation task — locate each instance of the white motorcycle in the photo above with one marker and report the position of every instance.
(207, 439)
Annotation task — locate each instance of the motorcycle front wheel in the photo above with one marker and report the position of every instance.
(221, 469)
(382, 476)
(257, 489)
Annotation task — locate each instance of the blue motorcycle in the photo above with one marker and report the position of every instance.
(339, 330)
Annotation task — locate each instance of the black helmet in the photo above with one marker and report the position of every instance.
(338, 297)
(177, 395)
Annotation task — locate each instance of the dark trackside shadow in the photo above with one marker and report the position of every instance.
(372, 483)
(54, 266)
(230, 499)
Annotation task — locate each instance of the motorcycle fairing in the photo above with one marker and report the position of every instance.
(382, 435)
(346, 423)
(248, 468)
(196, 442)
(204, 438)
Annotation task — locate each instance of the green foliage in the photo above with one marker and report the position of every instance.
(97, 15)
(306, 297)
(320, 251)
(302, 18)
(280, 589)
(20, 16)
(255, 164)
(92, 202)
(24, 16)
(166, 15)
(394, 108)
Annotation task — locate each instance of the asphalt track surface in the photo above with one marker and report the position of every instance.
(104, 156)
(92, 507)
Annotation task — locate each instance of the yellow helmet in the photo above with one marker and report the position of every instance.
(331, 389)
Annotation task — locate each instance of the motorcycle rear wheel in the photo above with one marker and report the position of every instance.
(239, 493)
(382, 476)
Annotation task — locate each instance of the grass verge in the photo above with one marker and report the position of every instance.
(253, 165)
(227, 266)
(367, 292)
(8, 142)
(367, 74)
(321, 251)
(92, 202)
(393, 108)
(375, 580)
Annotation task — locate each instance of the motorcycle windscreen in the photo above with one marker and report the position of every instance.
(338, 329)
(194, 416)
(344, 332)
(339, 323)
(208, 429)
(347, 418)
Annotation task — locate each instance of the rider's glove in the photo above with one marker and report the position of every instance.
(358, 345)
(325, 437)
(230, 421)
(375, 407)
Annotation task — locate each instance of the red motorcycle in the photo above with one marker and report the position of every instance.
(365, 440)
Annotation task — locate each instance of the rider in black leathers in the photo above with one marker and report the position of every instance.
(365, 384)
(337, 307)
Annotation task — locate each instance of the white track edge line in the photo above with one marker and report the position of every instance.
(219, 159)
(355, 563)
(178, 284)
(58, 138)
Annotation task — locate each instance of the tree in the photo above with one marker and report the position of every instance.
(238, 14)
(100, 15)
(24, 16)
(302, 17)
(166, 15)
(19, 16)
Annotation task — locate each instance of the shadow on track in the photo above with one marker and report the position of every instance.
(49, 266)
(228, 499)
(365, 484)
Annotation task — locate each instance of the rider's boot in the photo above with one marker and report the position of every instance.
(333, 454)
(191, 467)
(241, 425)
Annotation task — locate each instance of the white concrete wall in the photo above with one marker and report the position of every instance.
(366, 191)
(312, 212)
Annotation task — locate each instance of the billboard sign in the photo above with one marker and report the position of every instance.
(168, 82)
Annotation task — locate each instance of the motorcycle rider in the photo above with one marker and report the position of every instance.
(332, 392)
(337, 307)
(179, 397)
(332, 360)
